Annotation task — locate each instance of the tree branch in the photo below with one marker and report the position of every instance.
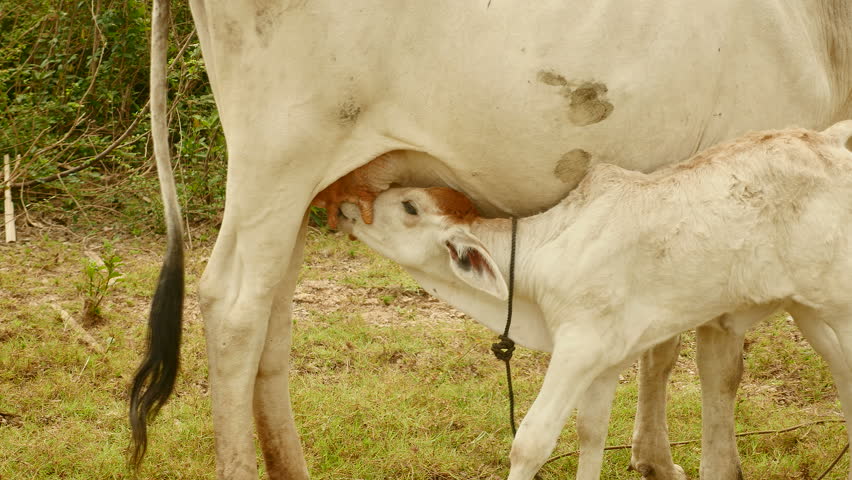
(115, 144)
(91, 160)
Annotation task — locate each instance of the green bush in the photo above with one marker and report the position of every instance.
(74, 77)
(97, 280)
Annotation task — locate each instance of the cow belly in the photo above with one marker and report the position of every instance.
(511, 104)
(516, 117)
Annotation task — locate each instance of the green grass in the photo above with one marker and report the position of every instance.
(386, 383)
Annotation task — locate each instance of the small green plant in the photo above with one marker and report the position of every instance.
(97, 280)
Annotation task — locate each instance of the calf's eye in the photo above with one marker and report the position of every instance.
(409, 208)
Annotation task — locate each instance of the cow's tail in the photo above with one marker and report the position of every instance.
(155, 378)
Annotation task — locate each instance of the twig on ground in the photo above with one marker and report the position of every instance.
(84, 335)
(687, 442)
(830, 467)
(88, 358)
(794, 427)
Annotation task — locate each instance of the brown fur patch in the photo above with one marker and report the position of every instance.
(454, 204)
(745, 143)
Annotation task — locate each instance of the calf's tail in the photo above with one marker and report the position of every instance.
(155, 378)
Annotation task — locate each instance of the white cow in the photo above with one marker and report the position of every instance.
(629, 260)
(508, 101)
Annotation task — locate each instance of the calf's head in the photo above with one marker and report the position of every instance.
(428, 230)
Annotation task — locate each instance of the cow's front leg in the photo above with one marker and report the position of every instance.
(578, 359)
(651, 455)
(720, 367)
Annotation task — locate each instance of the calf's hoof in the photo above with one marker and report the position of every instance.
(650, 472)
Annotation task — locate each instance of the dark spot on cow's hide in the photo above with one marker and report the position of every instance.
(552, 78)
(349, 112)
(849, 144)
(588, 104)
(572, 167)
(233, 35)
(267, 14)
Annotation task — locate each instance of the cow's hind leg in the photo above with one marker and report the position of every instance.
(651, 455)
(245, 295)
(273, 416)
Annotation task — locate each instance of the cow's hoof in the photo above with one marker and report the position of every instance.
(649, 472)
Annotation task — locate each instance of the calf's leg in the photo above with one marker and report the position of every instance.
(651, 455)
(576, 362)
(593, 411)
(720, 368)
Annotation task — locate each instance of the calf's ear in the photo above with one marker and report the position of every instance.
(472, 264)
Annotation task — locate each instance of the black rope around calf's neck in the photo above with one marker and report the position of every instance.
(504, 349)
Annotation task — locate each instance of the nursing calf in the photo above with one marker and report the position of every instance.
(629, 260)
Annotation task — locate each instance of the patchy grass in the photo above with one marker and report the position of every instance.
(387, 382)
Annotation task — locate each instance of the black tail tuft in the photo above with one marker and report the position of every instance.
(155, 378)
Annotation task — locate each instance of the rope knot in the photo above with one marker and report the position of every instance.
(503, 349)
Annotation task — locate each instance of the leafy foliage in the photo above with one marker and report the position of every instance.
(73, 78)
